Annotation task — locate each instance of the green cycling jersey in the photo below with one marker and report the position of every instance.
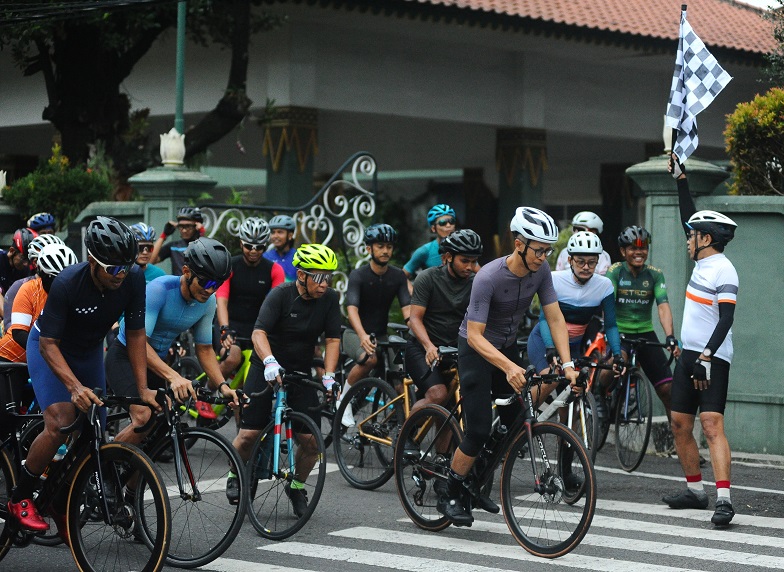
(634, 296)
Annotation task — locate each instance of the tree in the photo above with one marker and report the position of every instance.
(86, 49)
(775, 60)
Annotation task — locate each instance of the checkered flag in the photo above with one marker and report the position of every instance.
(697, 80)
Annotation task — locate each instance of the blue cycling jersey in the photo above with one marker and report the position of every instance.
(286, 261)
(426, 256)
(169, 314)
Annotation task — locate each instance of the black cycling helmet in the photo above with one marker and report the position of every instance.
(208, 259)
(22, 239)
(111, 242)
(634, 236)
(380, 232)
(464, 241)
(190, 213)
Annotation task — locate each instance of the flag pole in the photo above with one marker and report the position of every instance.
(674, 130)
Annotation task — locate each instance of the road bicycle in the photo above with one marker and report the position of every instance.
(99, 494)
(544, 464)
(272, 464)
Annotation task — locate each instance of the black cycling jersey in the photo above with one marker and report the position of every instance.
(373, 295)
(294, 325)
(9, 273)
(445, 299)
(176, 251)
(79, 314)
(249, 287)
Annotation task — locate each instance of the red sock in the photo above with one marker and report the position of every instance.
(723, 490)
(694, 482)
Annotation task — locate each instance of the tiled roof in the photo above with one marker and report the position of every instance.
(720, 23)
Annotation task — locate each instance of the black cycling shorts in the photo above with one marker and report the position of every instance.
(687, 399)
(259, 413)
(652, 359)
(480, 382)
(416, 366)
(119, 373)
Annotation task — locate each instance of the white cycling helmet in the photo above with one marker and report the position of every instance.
(719, 226)
(584, 242)
(54, 258)
(588, 220)
(534, 224)
(254, 230)
(39, 242)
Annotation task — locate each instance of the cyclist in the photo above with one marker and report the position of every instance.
(371, 290)
(488, 355)
(65, 347)
(14, 262)
(189, 223)
(439, 302)
(636, 286)
(282, 238)
(42, 223)
(442, 220)
(239, 298)
(174, 304)
(581, 295)
(701, 376)
(586, 221)
(145, 236)
(28, 303)
(33, 250)
(290, 321)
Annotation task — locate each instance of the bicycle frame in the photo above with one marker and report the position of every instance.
(280, 409)
(562, 400)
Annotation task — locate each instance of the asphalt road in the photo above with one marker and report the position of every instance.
(355, 531)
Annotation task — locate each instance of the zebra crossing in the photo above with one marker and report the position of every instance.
(624, 536)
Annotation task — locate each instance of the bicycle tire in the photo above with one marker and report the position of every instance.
(202, 528)
(416, 479)
(364, 463)
(592, 429)
(98, 546)
(190, 368)
(633, 425)
(607, 416)
(533, 498)
(7, 482)
(269, 509)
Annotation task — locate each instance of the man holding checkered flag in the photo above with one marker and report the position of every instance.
(697, 80)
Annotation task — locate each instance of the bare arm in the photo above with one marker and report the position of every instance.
(417, 325)
(331, 353)
(206, 357)
(356, 325)
(261, 344)
(665, 318)
(222, 311)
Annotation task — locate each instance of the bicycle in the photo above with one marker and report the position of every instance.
(536, 489)
(194, 463)
(364, 451)
(102, 490)
(271, 466)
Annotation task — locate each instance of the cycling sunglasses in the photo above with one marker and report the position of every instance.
(208, 284)
(446, 222)
(112, 269)
(143, 248)
(319, 277)
(248, 246)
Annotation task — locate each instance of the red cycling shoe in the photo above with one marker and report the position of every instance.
(62, 527)
(205, 410)
(27, 516)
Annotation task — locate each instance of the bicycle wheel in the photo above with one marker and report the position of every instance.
(7, 482)
(364, 462)
(589, 416)
(533, 489)
(269, 509)
(416, 478)
(326, 409)
(633, 419)
(190, 368)
(204, 523)
(97, 545)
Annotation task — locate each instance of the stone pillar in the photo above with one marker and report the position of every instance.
(521, 160)
(290, 144)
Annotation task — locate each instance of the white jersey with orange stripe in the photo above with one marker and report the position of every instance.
(713, 281)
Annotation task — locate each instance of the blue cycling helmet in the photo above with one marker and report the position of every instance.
(282, 221)
(437, 212)
(143, 232)
(41, 220)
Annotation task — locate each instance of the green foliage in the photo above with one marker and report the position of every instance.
(774, 70)
(755, 143)
(58, 188)
(563, 239)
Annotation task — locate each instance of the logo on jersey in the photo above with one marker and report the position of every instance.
(645, 284)
(625, 282)
(86, 310)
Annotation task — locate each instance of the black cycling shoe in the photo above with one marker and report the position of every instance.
(487, 505)
(687, 499)
(723, 514)
(298, 498)
(455, 511)
(411, 450)
(233, 490)
(572, 482)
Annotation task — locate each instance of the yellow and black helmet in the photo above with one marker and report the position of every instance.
(315, 257)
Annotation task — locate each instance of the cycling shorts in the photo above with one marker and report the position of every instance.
(687, 399)
(259, 413)
(652, 359)
(87, 366)
(424, 377)
(537, 350)
(480, 382)
(119, 373)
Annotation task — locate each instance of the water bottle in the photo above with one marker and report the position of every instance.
(496, 437)
(58, 456)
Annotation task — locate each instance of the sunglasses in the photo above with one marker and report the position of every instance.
(247, 246)
(112, 269)
(145, 248)
(319, 277)
(186, 226)
(446, 222)
(208, 284)
(542, 252)
(581, 262)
